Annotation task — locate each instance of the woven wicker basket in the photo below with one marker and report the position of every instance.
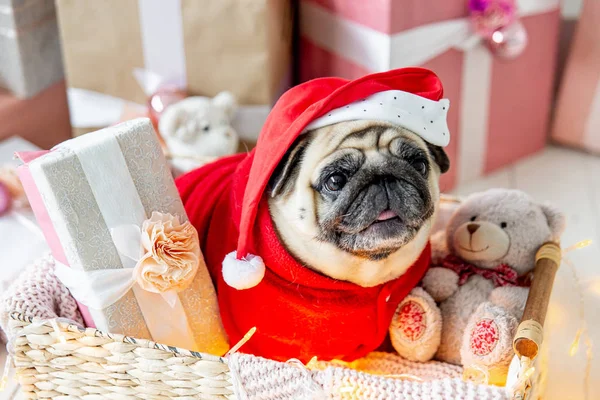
(63, 361)
(59, 360)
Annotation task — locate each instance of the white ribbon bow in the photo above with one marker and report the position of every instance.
(102, 288)
(99, 289)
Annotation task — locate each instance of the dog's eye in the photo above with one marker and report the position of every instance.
(420, 165)
(206, 128)
(503, 225)
(335, 182)
(473, 218)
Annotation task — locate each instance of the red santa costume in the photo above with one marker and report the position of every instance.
(298, 312)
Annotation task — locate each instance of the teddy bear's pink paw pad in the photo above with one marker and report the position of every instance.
(484, 337)
(416, 327)
(411, 319)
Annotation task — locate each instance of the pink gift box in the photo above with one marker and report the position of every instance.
(499, 108)
(42, 119)
(577, 119)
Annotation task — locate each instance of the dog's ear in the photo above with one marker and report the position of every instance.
(287, 170)
(439, 156)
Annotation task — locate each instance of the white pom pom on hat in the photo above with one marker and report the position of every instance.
(244, 273)
(407, 97)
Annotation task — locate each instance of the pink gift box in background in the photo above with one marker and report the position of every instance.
(42, 119)
(577, 118)
(499, 109)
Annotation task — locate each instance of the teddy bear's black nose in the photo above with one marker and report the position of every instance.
(472, 228)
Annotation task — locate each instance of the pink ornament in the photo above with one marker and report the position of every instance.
(488, 16)
(163, 98)
(5, 199)
(509, 42)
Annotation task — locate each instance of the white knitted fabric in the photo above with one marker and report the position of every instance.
(378, 363)
(37, 292)
(264, 379)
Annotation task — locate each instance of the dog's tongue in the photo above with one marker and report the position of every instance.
(387, 214)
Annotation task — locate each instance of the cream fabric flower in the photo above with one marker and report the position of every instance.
(171, 254)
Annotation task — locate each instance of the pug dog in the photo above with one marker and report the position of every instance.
(356, 200)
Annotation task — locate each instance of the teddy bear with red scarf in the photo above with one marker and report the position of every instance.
(318, 234)
(472, 298)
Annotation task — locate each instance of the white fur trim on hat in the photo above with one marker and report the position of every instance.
(245, 273)
(426, 118)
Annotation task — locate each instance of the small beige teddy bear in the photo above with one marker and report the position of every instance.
(197, 130)
(473, 296)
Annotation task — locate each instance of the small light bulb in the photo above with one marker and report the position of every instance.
(498, 37)
(157, 104)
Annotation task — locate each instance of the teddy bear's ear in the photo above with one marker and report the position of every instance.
(556, 220)
(170, 120)
(227, 102)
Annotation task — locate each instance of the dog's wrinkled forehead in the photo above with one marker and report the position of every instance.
(363, 135)
(364, 147)
(352, 145)
(370, 142)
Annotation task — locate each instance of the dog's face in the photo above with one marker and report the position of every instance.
(355, 200)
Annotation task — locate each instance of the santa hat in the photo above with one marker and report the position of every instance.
(407, 97)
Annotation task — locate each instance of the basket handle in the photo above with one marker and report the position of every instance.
(529, 336)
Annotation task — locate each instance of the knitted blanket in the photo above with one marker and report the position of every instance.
(37, 292)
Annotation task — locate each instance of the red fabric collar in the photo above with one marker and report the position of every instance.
(298, 313)
(502, 275)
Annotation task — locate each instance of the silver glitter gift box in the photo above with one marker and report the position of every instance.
(30, 52)
(84, 189)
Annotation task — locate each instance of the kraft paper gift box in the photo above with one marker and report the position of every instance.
(30, 54)
(577, 118)
(42, 119)
(86, 190)
(206, 46)
(499, 109)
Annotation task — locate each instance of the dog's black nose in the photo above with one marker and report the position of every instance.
(472, 228)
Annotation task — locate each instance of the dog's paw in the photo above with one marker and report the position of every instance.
(416, 327)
